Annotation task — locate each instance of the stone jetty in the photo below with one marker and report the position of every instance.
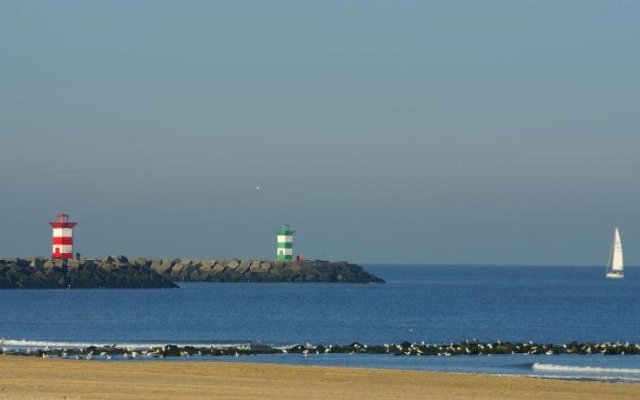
(235, 270)
(110, 272)
(120, 272)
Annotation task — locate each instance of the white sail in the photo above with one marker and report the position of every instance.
(616, 262)
(616, 258)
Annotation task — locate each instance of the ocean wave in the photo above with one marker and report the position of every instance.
(588, 378)
(52, 344)
(579, 369)
(23, 343)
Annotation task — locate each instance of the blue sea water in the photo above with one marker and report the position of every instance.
(435, 304)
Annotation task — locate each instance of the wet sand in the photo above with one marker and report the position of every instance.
(36, 378)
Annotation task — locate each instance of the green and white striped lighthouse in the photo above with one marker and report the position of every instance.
(284, 251)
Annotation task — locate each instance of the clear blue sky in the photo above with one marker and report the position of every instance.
(440, 132)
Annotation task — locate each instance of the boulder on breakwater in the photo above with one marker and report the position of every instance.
(120, 272)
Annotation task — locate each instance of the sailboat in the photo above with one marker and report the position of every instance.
(615, 265)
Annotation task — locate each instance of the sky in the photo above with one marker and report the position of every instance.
(455, 132)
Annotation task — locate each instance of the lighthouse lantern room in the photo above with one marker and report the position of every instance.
(62, 237)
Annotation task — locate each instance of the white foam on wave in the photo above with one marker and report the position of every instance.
(587, 377)
(39, 344)
(21, 343)
(588, 370)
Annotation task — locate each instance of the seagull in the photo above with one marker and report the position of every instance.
(257, 187)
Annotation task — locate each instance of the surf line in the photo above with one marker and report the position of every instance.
(157, 350)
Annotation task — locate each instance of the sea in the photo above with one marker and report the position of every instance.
(435, 304)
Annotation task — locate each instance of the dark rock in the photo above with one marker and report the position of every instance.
(22, 262)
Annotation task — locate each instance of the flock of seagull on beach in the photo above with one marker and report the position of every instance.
(466, 347)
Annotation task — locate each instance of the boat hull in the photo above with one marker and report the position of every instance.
(613, 275)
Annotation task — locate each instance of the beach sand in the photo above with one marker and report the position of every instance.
(37, 378)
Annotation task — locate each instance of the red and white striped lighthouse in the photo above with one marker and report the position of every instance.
(63, 237)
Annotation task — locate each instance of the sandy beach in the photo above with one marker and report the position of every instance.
(34, 378)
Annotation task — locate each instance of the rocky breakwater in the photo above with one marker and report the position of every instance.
(109, 272)
(120, 272)
(235, 270)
